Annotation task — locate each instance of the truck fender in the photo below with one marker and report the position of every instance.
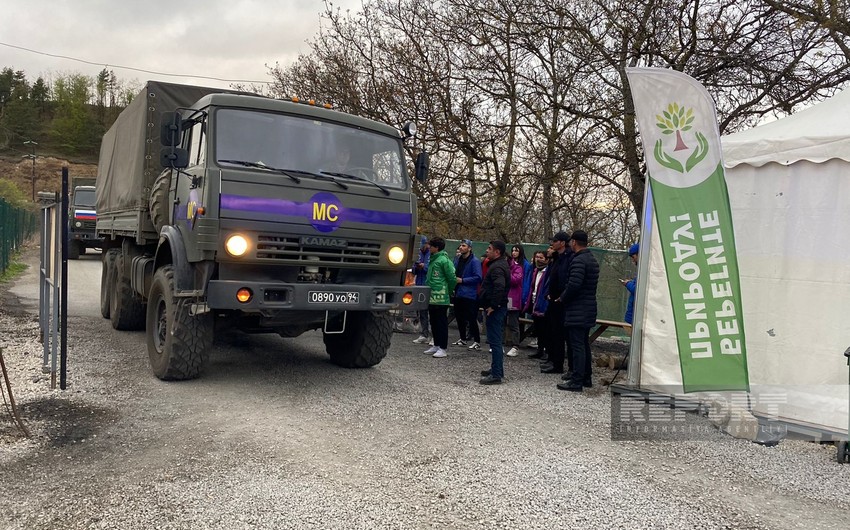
(172, 250)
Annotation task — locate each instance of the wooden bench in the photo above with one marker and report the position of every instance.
(601, 327)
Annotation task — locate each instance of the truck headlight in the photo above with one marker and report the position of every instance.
(236, 245)
(395, 255)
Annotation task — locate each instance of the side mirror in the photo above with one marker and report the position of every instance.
(173, 157)
(171, 129)
(422, 166)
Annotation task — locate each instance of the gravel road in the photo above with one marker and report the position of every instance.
(274, 436)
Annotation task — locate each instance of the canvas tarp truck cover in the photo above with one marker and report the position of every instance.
(129, 153)
(789, 190)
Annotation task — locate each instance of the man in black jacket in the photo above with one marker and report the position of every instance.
(579, 301)
(554, 315)
(494, 300)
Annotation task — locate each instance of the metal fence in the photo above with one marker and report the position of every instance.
(16, 225)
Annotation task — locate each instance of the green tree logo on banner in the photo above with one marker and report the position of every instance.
(678, 119)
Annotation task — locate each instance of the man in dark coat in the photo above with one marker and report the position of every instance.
(554, 315)
(494, 301)
(579, 302)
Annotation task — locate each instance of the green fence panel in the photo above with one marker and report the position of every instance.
(614, 265)
(16, 225)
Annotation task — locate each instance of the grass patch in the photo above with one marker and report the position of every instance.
(14, 270)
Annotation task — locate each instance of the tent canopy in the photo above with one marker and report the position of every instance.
(816, 134)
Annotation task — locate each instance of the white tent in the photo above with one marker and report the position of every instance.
(789, 189)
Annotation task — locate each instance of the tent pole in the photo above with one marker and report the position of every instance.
(636, 346)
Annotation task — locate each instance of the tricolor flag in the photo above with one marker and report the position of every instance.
(679, 130)
(85, 215)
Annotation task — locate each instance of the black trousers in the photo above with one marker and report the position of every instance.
(554, 324)
(439, 325)
(466, 313)
(541, 332)
(578, 339)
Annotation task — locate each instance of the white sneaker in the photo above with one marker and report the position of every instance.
(440, 353)
(512, 352)
(421, 340)
(475, 346)
(432, 349)
(459, 342)
(533, 344)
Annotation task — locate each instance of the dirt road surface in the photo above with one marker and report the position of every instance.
(274, 436)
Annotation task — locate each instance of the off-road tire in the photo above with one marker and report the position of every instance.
(126, 311)
(107, 278)
(74, 249)
(158, 204)
(178, 343)
(364, 342)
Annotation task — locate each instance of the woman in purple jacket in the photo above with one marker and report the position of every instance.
(512, 337)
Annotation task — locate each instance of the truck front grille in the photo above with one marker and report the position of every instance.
(85, 225)
(290, 248)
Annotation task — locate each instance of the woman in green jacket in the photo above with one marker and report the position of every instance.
(441, 279)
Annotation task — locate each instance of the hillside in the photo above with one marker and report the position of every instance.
(48, 173)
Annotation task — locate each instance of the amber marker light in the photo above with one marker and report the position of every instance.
(201, 210)
(407, 299)
(236, 245)
(244, 295)
(395, 255)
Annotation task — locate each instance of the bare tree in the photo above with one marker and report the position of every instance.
(830, 15)
(526, 107)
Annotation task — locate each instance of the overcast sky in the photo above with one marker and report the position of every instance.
(228, 39)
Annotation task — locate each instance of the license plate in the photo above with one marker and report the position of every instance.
(332, 297)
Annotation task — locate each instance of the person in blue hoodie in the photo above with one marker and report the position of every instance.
(468, 272)
(420, 272)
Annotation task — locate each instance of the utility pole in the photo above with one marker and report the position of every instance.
(32, 157)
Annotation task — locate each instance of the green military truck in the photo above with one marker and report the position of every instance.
(82, 217)
(224, 210)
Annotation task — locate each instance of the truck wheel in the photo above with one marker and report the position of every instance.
(107, 275)
(158, 204)
(74, 250)
(126, 311)
(365, 341)
(178, 343)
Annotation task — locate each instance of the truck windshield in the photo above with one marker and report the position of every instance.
(84, 198)
(307, 145)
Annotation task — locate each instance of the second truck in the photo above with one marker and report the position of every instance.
(225, 210)
(82, 217)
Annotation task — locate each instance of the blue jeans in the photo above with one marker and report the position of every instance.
(495, 330)
(424, 321)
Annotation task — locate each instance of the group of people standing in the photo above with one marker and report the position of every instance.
(557, 289)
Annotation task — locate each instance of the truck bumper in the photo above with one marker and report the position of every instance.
(221, 294)
(89, 239)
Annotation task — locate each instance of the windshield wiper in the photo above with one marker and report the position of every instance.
(287, 172)
(358, 178)
(260, 165)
